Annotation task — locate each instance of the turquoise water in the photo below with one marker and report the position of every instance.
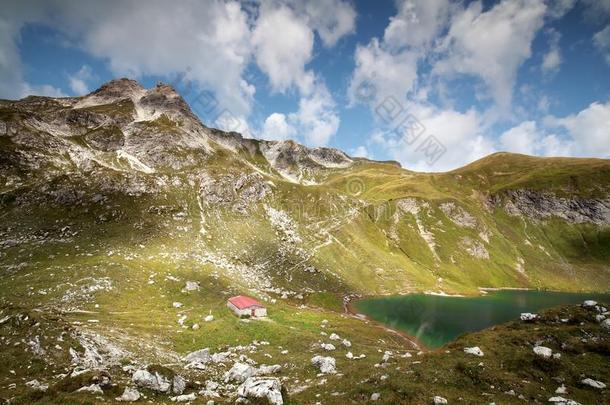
(436, 320)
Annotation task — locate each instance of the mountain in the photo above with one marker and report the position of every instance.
(112, 202)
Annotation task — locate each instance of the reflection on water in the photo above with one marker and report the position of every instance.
(435, 320)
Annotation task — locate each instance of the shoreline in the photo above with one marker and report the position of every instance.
(350, 310)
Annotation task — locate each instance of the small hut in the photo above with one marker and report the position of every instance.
(246, 306)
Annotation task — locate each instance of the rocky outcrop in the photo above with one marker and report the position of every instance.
(541, 206)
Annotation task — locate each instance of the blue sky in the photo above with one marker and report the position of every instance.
(433, 84)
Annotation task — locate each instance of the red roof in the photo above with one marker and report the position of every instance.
(242, 302)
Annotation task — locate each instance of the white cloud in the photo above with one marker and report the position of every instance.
(332, 19)
(558, 8)
(277, 128)
(588, 129)
(460, 135)
(316, 120)
(388, 66)
(602, 41)
(417, 23)
(380, 73)
(283, 45)
(529, 139)
(360, 151)
(78, 81)
(492, 44)
(552, 59)
(12, 83)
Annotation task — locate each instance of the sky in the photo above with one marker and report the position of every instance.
(433, 84)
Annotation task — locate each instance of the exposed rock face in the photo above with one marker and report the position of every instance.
(458, 215)
(537, 205)
(474, 248)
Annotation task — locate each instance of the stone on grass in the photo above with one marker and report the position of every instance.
(375, 396)
(263, 370)
(129, 395)
(158, 382)
(200, 356)
(439, 400)
(184, 398)
(543, 351)
(262, 388)
(325, 364)
(240, 372)
(593, 383)
(561, 390)
(93, 389)
(589, 304)
(177, 304)
(562, 401)
(475, 350)
(191, 286)
(528, 316)
(209, 318)
(334, 336)
(327, 346)
(35, 384)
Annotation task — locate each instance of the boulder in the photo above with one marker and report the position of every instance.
(240, 372)
(262, 388)
(439, 400)
(375, 396)
(543, 352)
(129, 395)
(159, 379)
(178, 385)
(198, 356)
(474, 351)
(605, 324)
(327, 346)
(593, 383)
(346, 343)
(191, 286)
(334, 336)
(152, 381)
(528, 317)
(589, 304)
(326, 364)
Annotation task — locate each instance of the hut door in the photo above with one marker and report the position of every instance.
(253, 312)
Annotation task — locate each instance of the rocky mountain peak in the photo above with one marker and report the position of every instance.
(118, 88)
